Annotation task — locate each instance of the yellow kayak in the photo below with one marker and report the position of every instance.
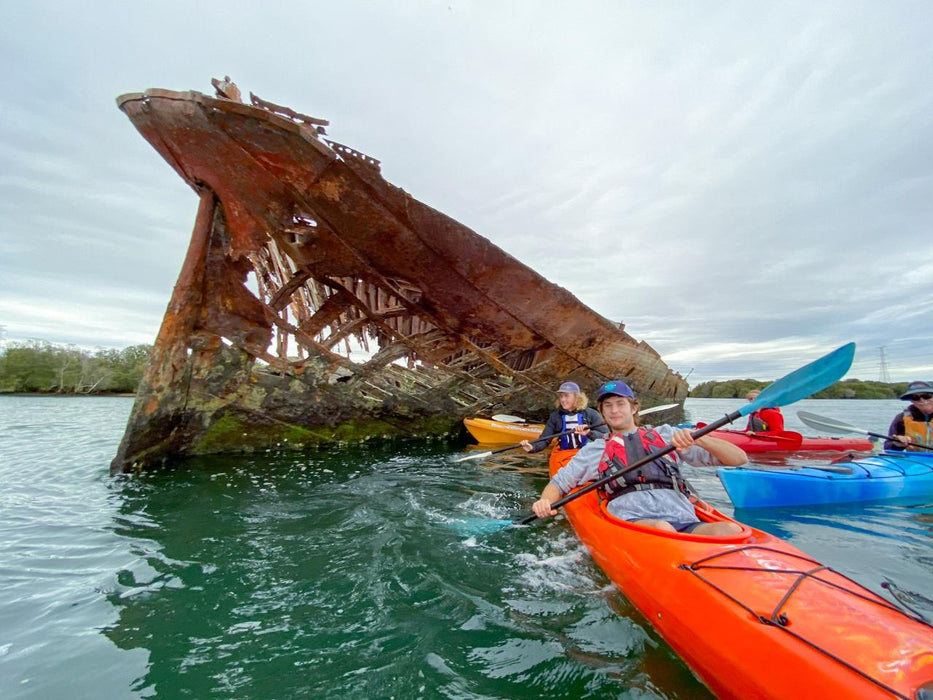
(493, 432)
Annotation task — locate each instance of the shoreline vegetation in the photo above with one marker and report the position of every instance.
(38, 367)
(41, 368)
(845, 389)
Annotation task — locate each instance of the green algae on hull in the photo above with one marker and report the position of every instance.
(233, 433)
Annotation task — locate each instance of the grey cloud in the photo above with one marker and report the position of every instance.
(741, 184)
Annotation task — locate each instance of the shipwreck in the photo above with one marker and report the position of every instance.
(300, 252)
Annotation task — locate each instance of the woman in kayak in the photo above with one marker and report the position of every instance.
(913, 424)
(571, 414)
(654, 495)
(764, 420)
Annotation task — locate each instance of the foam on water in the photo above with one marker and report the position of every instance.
(472, 528)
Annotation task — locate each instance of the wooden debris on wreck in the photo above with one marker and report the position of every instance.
(301, 250)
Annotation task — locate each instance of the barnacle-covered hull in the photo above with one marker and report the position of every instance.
(300, 248)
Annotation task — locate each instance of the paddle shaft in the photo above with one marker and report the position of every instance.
(771, 437)
(894, 439)
(725, 420)
(543, 437)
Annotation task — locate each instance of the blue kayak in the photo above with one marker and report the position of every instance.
(878, 477)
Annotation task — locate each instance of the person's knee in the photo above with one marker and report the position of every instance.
(658, 524)
(721, 528)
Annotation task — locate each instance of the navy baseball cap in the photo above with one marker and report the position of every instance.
(615, 387)
(569, 388)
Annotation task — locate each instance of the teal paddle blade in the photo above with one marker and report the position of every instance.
(805, 381)
(477, 526)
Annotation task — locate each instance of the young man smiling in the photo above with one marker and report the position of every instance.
(653, 495)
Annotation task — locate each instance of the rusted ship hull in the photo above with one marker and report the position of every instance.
(299, 248)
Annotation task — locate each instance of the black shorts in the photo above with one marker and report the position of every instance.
(681, 526)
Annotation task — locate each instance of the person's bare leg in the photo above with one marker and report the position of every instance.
(659, 524)
(721, 528)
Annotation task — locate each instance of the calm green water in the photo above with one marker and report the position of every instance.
(343, 573)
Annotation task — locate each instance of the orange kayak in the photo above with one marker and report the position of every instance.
(559, 458)
(753, 616)
(493, 432)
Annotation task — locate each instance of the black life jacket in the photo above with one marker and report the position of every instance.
(755, 424)
(660, 473)
(572, 441)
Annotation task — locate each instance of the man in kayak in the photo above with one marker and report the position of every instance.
(764, 420)
(571, 414)
(913, 424)
(655, 494)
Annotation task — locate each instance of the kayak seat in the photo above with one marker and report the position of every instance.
(704, 512)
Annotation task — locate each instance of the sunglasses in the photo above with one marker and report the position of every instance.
(921, 397)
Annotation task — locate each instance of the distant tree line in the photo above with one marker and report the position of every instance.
(847, 389)
(40, 367)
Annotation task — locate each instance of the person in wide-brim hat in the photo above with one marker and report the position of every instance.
(914, 388)
(913, 424)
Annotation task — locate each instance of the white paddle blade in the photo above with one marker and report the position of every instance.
(658, 409)
(828, 424)
(506, 418)
(478, 455)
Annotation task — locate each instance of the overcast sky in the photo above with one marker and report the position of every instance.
(746, 185)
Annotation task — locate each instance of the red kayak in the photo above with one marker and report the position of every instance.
(789, 441)
(753, 616)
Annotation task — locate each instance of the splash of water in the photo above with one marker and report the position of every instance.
(470, 527)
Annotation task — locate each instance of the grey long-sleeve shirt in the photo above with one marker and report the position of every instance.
(660, 504)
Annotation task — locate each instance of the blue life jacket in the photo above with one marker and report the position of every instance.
(571, 441)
